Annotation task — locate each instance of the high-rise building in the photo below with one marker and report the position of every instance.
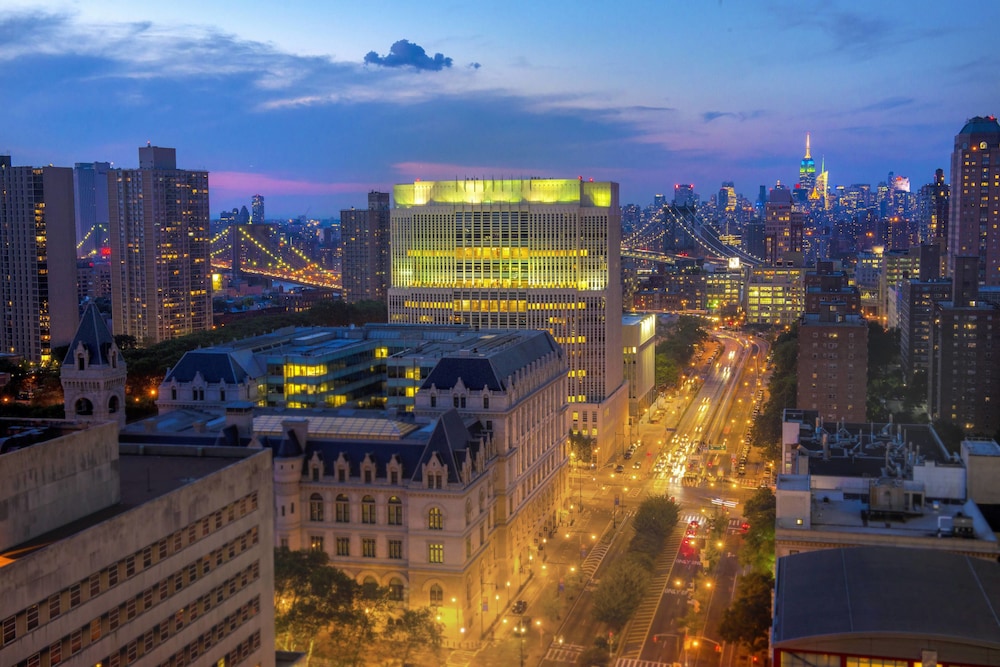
(782, 225)
(807, 170)
(257, 210)
(38, 306)
(90, 188)
(365, 239)
(684, 195)
(974, 217)
(522, 254)
(160, 248)
(964, 378)
(833, 365)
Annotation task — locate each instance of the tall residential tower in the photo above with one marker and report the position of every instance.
(38, 306)
(365, 238)
(160, 248)
(974, 221)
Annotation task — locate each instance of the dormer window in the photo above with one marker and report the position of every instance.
(434, 401)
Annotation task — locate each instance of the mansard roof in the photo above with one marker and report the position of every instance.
(93, 333)
(215, 365)
(491, 363)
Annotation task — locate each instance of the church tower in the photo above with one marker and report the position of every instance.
(93, 373)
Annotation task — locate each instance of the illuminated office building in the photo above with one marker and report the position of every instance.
(38, 304)
(807, 170)
(160, 247)
(90, 189)
(521, 254)
(782, 225)
(974, 220)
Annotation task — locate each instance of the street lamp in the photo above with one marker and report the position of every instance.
(520, 630)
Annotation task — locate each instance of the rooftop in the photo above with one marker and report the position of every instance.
(869, 592)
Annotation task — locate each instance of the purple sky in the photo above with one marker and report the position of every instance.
(312, 104)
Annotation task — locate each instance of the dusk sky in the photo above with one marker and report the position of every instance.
(313, 104)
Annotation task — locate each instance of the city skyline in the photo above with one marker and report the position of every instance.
(314, 106)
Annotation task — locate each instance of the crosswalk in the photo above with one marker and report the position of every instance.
(688, 518)
(636, 662)
(564, 652)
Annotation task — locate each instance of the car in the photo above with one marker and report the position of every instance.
(627, 455)
(619, 468)
(637, 465)
(520, 607)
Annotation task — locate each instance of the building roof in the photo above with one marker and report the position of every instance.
(880, 591)
(492, 361)
(980, 124)
(215, 365)
(93, 333)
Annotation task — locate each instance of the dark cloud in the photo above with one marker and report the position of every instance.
(887, 104)
(741, 116)
(406, 54)
(474, 65)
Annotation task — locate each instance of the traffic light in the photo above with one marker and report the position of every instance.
(718, 648)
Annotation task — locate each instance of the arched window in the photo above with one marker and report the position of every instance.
(367, 510)
(343, 509)
(468, 511)
(84, 407)
(396, 589)
(369, 587)
(113, 404)
(315, 507)
(395, 511)
(437, 595)
(435, 520)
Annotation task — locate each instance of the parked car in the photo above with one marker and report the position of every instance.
(619, 468)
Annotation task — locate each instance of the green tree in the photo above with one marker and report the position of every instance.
(580, 447)
(415, 629)
(619, 594)
(310, 596)
(758, 543)
(656, 515)
(747, 620)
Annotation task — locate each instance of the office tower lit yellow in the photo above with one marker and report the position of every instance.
(521, 254)
(160, 247)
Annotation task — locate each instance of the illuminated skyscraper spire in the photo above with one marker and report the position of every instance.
(807, 171)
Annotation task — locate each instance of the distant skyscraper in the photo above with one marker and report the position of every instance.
(160, 248)
(522, 254)
(807, 170)
(365, 237)
(38, 306)
(90, 188)
(782, 225)
(684, 195)
(727, 198)
(974, 221)
(257, 210)
(243, 217)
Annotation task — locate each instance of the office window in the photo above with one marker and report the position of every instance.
(316, 543)
(32, 617)
(435, 520)
(343, 509)
(396, 590)
(437, 595)
(343, 546)
(395, 511)
(368, 547)
(395, 548)
(435, 553)
(367, 510)
(315, 507)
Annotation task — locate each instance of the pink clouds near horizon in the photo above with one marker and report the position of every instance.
(247, 183)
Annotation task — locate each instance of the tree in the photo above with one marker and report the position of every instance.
(747, 620)
(415, 629)
(758, 544)
(657, 515)
(310, 596)
(580, 446)
(619, 594)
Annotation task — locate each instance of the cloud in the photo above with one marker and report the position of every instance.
(406, 54)
(887, 104)
(223, 182)
(741, 116)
